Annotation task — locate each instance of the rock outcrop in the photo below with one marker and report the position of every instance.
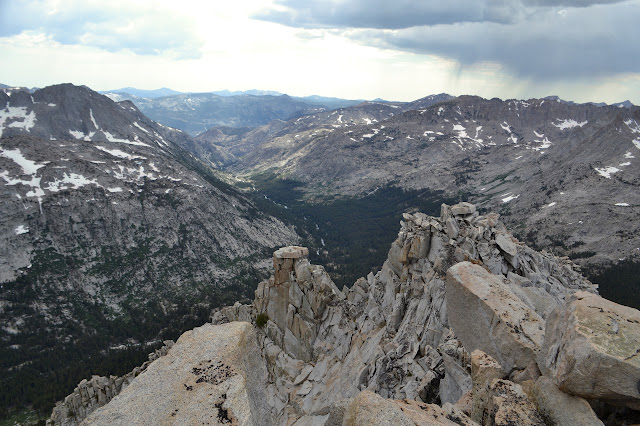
(395, 348)
(592, 348)
(212, 375)
(390, 332)
(92, 394)
(481, 306)
(559, 408)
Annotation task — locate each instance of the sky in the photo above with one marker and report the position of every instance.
(580, 50)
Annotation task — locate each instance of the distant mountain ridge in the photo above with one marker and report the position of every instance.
(155, 93)
(544, 164)
(197, 112)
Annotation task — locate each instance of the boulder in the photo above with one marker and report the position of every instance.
(212, 375)
(484, 314)
(484, 370)
(510, 406)
(462, 209)
(592, 349)
(506, 244)
(558, 408)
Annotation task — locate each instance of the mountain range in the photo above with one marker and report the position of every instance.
(551, 165)
(195, 113)
(111, 236)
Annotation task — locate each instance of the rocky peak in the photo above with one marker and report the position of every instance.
(462, 325)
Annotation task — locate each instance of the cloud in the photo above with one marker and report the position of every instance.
(531, 38)
(143, 28)
(384, 14)
(570, 3)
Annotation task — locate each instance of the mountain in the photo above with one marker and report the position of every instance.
(247, 144)
(254, 92)
(197, 112)
(565, 168)
(462, 325)
(112, 236)
(624, 104)
(330, 102)
(141, 93)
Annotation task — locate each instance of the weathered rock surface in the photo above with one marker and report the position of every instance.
(486, 315)
(592, 349)
(558, 408)
(96, 392)
(484, 370)
(369, 408)
(509, 405)
(212, 375)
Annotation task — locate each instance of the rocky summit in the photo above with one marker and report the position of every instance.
(464, 324)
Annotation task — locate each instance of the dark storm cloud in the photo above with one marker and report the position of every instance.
(385, 14)
(532, 38)
(107, 25)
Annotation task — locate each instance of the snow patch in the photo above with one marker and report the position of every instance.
(81, 136)
(73, 179)
(28, 167)
(112, 138)
(628, 155)
(120, 154)
(568, 123)
(632, 125)
(606, 171)
(622, 204)
(17, 113)
(135, 123)
(509, 198)
(93, 120)
(21, 229)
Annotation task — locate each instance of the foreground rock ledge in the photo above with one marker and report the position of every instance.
(214, 374)
(592, 348)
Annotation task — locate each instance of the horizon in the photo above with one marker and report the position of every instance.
(121, 90)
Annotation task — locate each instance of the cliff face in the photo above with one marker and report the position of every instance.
(462, 325)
